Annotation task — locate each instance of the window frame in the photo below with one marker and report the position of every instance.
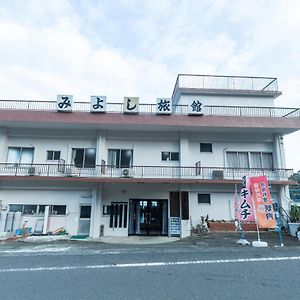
(205, 145)
(20, 149)
(37, 212)
(204, 203)
(118, 152)
(170, 154)
(83, 164)
(53, 155)
(250, 160)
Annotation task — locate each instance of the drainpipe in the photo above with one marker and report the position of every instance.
(224, 157)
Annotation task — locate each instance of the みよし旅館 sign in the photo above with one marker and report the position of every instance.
(131, 105)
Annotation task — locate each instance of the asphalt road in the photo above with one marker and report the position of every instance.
(181, 270)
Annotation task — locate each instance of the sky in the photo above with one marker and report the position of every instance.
(126, 47)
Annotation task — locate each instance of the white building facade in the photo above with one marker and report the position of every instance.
(118, 169)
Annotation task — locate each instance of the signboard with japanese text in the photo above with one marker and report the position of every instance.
(64, 103)
(131, 105)
(245, 206)
(174, 225)
(98, 104)
(263, 203)
(195, 107)
(163, 106)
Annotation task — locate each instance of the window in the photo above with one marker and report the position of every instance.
(204, 199)
(53, 155)
(250, 160)
(58, 209)
(205, 147)
(120, 158)
(169, 156)
(106, 210)
(16, 207)
(29, 209)
(84, 157)
(38, 209)
(20, 155)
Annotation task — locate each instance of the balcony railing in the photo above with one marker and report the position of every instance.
(211, 110)
(154, 172)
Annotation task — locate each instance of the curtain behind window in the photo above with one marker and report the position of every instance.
(243, 160)
(255, 160)
(232, 159)
(267, 160)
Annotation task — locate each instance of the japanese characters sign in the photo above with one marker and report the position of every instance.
(98, 103)
(263, 203)
(64, 103)
(163, 106)
(195, 107)
(131, 105)
(245, 207)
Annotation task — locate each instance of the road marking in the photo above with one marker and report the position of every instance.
(153, 264)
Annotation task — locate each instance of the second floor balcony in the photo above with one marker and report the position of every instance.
(147, 173)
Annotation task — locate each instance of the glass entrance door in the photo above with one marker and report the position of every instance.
(148, 217)
(84, 219)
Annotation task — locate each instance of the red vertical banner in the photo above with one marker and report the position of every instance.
(263, 203)
(245, 205)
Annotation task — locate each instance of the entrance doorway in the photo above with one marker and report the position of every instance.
(84, 219)
(148, 217)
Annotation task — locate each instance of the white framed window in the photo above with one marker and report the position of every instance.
(84, 157)
(53, 155)
(244, 159)
(169, 156)
(38, 209)
(20, 155)
(204, 199)
(120, 158)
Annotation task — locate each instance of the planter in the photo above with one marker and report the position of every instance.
(229, 226)
(293, 228)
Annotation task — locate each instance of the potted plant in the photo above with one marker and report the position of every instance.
(294, 220)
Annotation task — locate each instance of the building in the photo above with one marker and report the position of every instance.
(118, 169)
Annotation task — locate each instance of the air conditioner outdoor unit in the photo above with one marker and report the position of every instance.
(217, 174)
(126, 172)
(31, 171)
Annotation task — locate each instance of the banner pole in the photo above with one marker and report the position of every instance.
(257, 243)
(243, 240)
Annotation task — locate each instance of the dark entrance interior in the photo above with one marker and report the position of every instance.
(148, 217)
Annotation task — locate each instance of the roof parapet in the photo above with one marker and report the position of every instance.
(225, 85)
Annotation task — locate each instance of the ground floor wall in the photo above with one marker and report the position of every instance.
(86, 207)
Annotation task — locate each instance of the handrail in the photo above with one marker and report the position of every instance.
(284, 216)
(150, 108)
(139, 171)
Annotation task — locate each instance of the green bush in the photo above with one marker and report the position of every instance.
(295, 214)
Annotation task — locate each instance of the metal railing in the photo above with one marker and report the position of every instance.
(213, 173)
(212, 110)
(229, 83)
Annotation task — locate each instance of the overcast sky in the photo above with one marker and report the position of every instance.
(124, 47)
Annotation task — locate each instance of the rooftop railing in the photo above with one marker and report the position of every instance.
(154, 172)
(213, 110)
(229, 83)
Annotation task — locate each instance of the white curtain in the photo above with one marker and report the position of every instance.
(27, 156)
(232, 159)
(267, 160)
(13, 155)
(112, 157)
(243, 160)
(20, 155)
(255, 160)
